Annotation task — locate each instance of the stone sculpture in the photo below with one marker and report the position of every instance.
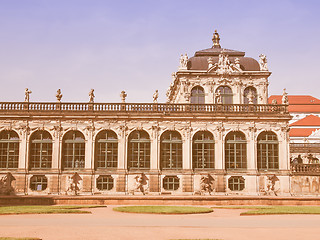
(5, 184)
(218, 97)
(155, 96)
(183, 62)
(27, 93)
(250, 97)
(141, 182)
(91, 96)
(271, 182)
(263, 62)
(285, 97)
(206, 184)
(73, 183)
(59, 95)
(123, 96)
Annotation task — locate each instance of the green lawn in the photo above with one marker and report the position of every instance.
(12, 238)
(43, 209)
(163, 209)
(265, 210)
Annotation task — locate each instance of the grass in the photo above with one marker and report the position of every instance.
(13, 238)
(276, 210)
(43, 209)
(163, 209)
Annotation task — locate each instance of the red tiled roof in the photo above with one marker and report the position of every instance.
(299, 103)
(301, 132)
(309, 120)
(295, 99)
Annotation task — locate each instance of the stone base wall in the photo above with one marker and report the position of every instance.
(282, 184)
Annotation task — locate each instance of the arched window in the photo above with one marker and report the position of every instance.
(106, 150)
(73, 150)
(40, 150)
(203, 150)
(9, 149)
(171, 150)
(226, 94)
(197, 95)
(236, 151)
(139, 150)
(268, 151)
(250, 92)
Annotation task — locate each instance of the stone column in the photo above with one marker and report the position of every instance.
(251, 150)
(219, 161)
(89, 150)
(122, 148)
(121, 181)
(284, 159)
(56, 146)
(186, 150)
(23, 151)
(154, 151)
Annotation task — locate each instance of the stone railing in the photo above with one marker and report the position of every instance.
(305, 169)
(305, 147)
(143, 107)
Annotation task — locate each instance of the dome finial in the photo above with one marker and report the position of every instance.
(216, 39)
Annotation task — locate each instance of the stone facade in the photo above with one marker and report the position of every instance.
(216, 135)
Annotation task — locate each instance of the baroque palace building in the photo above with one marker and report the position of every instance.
(216, 134)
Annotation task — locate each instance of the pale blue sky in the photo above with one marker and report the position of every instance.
(134, 46)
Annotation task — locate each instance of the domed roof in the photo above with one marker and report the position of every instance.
(200, 59)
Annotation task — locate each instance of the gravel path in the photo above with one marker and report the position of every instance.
(104, 223)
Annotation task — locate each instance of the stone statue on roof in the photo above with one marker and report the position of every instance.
(285, 97)
(263, 62)
(123, 96)
(155, 96)
(27, 93)
(59, 95)
(183, 62)
(91, 96)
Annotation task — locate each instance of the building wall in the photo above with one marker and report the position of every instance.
(125, 180)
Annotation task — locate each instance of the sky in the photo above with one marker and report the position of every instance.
(110, 46)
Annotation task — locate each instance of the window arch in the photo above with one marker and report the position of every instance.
(73, 150)
(203, 150)
(106, 149)
(235, 151)
(197, 95)
(9, 149)
(139, 150)
(268, 151)
(226, 94)
(40, 150)
(171, 150)
(247, 92)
